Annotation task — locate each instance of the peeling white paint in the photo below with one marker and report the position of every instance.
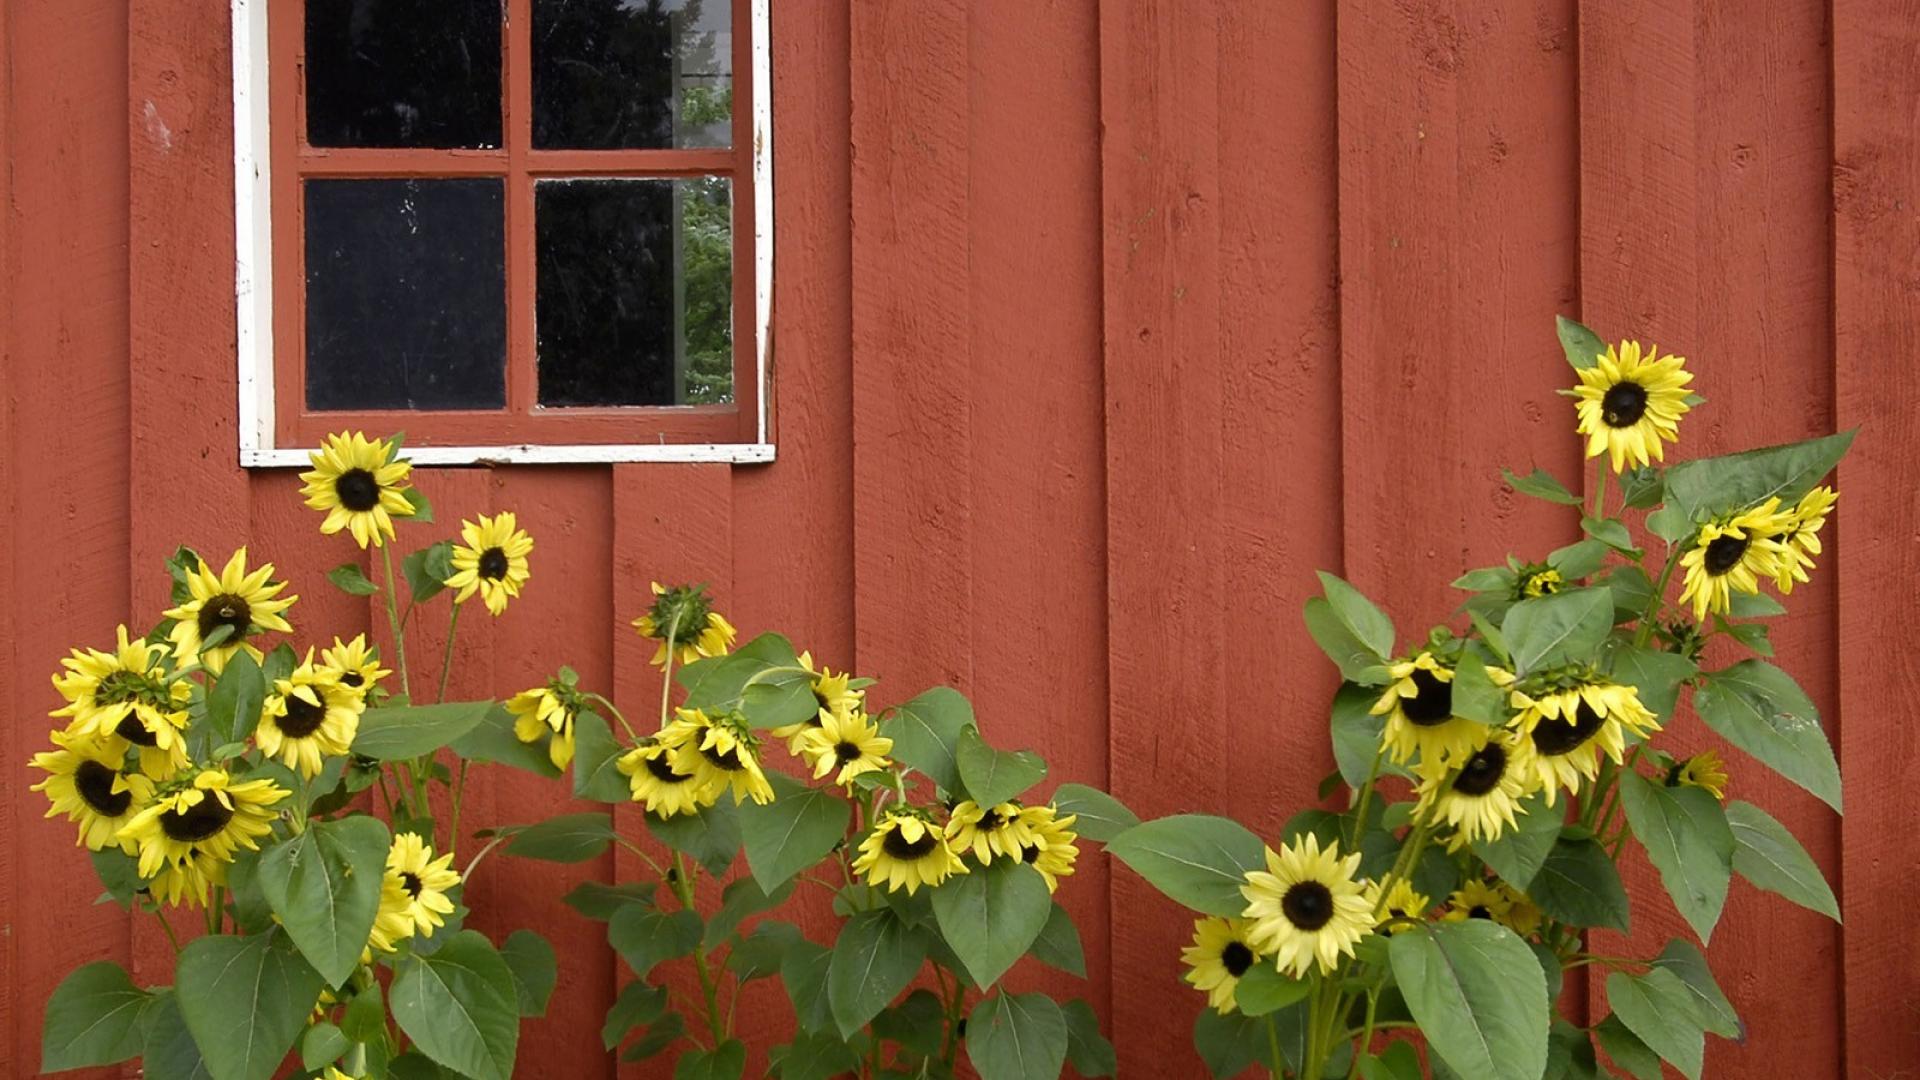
(157, 129)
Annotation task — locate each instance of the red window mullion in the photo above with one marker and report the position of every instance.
(523, 389)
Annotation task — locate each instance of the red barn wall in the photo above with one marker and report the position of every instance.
(1100, 327)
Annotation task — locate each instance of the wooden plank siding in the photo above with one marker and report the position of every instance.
(1099, 325)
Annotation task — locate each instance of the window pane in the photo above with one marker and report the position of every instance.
(406, 294)
(403, 73)
(634, 299)
(627, 74)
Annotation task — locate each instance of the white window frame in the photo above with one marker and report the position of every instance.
(253, 279)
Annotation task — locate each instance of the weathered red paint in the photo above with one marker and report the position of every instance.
(1099, 326)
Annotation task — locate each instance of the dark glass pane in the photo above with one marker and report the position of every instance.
(406, 294)
(635, 293)
(414, 73)
(626, 74)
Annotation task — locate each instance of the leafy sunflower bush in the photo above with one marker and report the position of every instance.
(1493, 770)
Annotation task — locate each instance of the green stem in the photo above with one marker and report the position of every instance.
(1648, 620)
(446, 658)
(393, 621)
(1600, 488)
(617, 715)
(172, 938)
(683, 887)
(658, 871)
(1366, 791)
(216, 911)
(1273, 1048)
(666, 671)
(491, 844)
(1366, 1033)
(459, 789)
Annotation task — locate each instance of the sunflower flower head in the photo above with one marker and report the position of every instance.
(985, 831)
(1403, 904)
(905, 849)
(1800, 542)
(1480, 797)
(661, 787)
(1702, 770)
(228, 609)
(833, 693)
(84, 781)
(194, 830)
(425, 879)
(361, 484)
(1571, 723)
(355, 664)
(1536, 580)
(490, 559)
(1630, 402)
(1051, 846)
(720, 750)
(548, 712)
(1418, 705)
(1306, 906)
(310, 716)
(683, 621)
(847, 743)
(126, 699)
(1478, 899)
(1221, 952)
(1731, 555)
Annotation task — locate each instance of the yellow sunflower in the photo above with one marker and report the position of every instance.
(1732, 555)
(1523, 915)
(985, 832)
(425, 879)
(391, 923)
(548, 712)
(492, 560)
(1050, 847)
(245, 604)
(831, 692)
(1418, 705)
(848, 741)
(665, 790)
(310, 716)
(357, 665)
(1702, 770)
(210, 820)
(1404, 902)
(1221, 952)
(1536, 581)
(685, 614)
(1480, 797)
(1306, 906)
(84, 782)
(1477, 899)
(360, 483)
(124, 698)
(1570, 727)
(184, 879)
(721, 751)
(1630, 402)
(906, 849)
(1801, 540)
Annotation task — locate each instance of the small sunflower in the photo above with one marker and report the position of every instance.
(84, 782)
(1523, 915)
(492, 560)
(548, 712)
(310, 716)
(1478, 899)
(831, 692)
(985, 832)
(210, 820)
(360, 483)
(906, 849)
(124, 698)
(1418, 705)
(1403, 903)
(1480, 797)
(665, 790)
(1306, 906)
(1221, 952)
(1702, 770)
(425, 879)
(1801, 540)
(357, 665)
(245, 604)
(1050, 847)
(721, 751)
(1732, 555)
(848, 741)
(685, 614)
(1570, 727)
(1630, 402)
(1537, 580)
(392, 924)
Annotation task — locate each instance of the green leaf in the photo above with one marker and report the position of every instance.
(992, 915)
(493, 740)
(798, 828)
(596, 762)
(1365, 621)
(1627, 1051)
(663, 1033)
(1655, 674)
(645, 938)
(422, 509)
(1102, 817)
(398, 733)
(167, 1049)
(427, 570)
(324, 884)
(1399, 1061)
(1541, 485)
(352, 580)
(815, 1056)
(459, 1006)
(1708, 487)
(1197, 860)
(599, 900)
(1582, 346)
(1579, 559)
(1548, 631)
(1760, 709)
(1767, 855)
(924, 730)
(1497, 579)
(1058, 945)
(1609, 531)
(251, 996)
(711, 837)
(1658, 1008)
(1228, 1044)
(233, 705)
(119, 873)
(739, 901)
(1711, 1005)
(760, 954)
(93, 1018)
(365, 1017)
(1263, 989)
(1644, 487)
(994, 776)
(1687, 839)
(1754, 606)
(570, 838)
(637, 1004)
(725, 1062)
(916, 1023)
(1578, 884)
(1088, 1051)
(803, 972)
(1474, 694)
(1017, 1037)
(1520, 852)
(778, 699)
(535, 970)
(1357, 662)
(1478, 995)
(1356, 733)
(321, 1046)
(1670, 523)
(874, 959)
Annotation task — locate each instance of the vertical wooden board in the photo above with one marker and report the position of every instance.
(913, 498)
(1876, 71)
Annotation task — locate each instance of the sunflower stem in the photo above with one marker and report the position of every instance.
(1651, 618)
(1366, 1033)
(617, 715)
(216, 911)
(658, 871)
(393, 621)
(666, 670)
(459, 789)
(491, 844)
(446, 658)
(172, 938)
(1273, 1049)
(683, 887)
(1600, 487)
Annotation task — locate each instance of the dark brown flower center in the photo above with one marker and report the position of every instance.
(1432, 700)
(353, 679)
(990, 820)
(1031, 853)
(493, 564)
(227, 610)
(1723, 553)
(1623, 404)
(411, 882)
(904, 849)
(1479, 911)
(197, 822)
(1483, 770)
(1555, 737)
(302, 718)
(663, 770)
(134, 730)
(846, 752)
(1308, 905)
(728, 759)
(94, 782)
(358, 490)
(1236, 958)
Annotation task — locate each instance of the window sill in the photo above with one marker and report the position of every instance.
(525, 454)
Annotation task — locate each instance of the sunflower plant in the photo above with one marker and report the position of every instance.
(1493, 771)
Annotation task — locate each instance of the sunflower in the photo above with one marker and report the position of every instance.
(1571, 726)
(1480, 797)
(1050, 847)
(1523, 915)
(1732, 555)
(682, 618)
(988, 831)
(185, 879)
(1221, 952)
(391, 922)
(425, 879)
(208, 821)
(906, 849)
(1306, 906)
(356, 665)
(124, 698)
(545, 711)
(1478, 899)
(720, 751)
(1629, 402)
(84, 782)
(1418, 705)
(245, 604)
(1801, 540)
(848, 741)
(1537, 580)
(1702, 770)
(1403, 903)
(361, 484)
(831, 692)
(493, 560)
(310, 716)
(665, 790)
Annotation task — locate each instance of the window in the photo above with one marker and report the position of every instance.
(519, 230)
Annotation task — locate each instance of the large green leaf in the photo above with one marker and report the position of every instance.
(402, 732)
(460, 1007)
(1627, 1051)
(1761, 710)
(1101, 816)
(1655, 673)
(724, 1062)
(535, 970)
(710, 837)
(874, 959)
(1686, 837)
(167, 1050)
(638, 1004)
(816, 1056)
(1521, 851)
(493, 740)
(428, 569)
(1356, 734)
(596, 762)
(762, 953)
(1478, 995)
(1767, 855)
(93, 1018)
(1476, 696)
(739, 901)
(1058, 945)
(1197, 860)
(1362, 618)
(1087, 1049)
(1540, 484)
(1017, 1037)
(1710, 1004)
(993, 776)
(1582, 346)
(644, 938)
(250, 998)
(1548, 631)
(992, 916)
(797, 829)
(324, 884)
(924, 730)
(1707, 487)
(569, 838)
(233, 705)
(1263, 989)
(1658, 1008)
(803, 972)
(1578, 884)
(1358, 662)
(1228, 1044)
